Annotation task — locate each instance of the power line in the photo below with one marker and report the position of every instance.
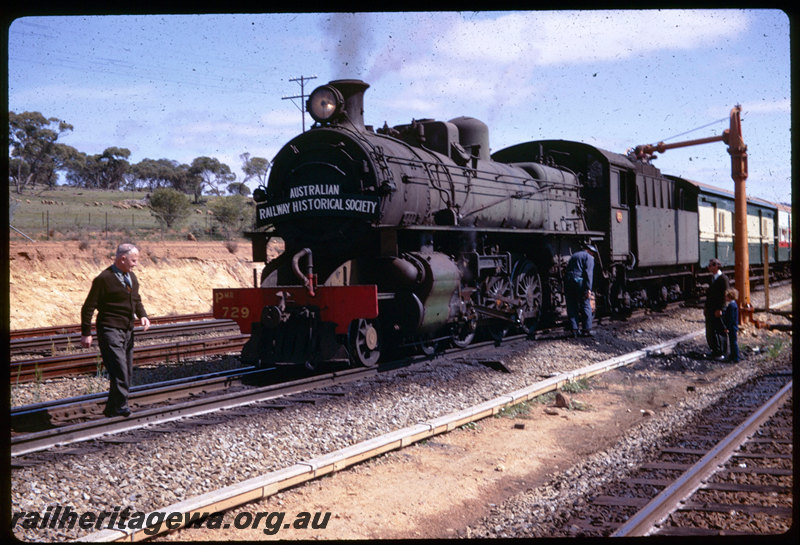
(302, 96)
(696, 129)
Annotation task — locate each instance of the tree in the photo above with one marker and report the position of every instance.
(232, 213)
(102, 171)
(211, 173)
(238, 188)
(154, 174)
(34, 153)
(111, 167)
(255, 168)
(169, 206)
(76, 171)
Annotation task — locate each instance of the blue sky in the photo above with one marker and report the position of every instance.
(183, 86)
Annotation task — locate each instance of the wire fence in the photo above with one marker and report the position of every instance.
(48, 224)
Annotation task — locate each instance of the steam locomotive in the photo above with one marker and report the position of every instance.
(415, 236)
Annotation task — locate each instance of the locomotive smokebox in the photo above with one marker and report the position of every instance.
(353, 94)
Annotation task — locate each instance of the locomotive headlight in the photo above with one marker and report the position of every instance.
(324, 103)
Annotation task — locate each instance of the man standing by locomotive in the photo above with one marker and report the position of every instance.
(115, 295)
(578, 290)
(715, 302)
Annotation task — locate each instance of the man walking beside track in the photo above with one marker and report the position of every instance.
(115, 296)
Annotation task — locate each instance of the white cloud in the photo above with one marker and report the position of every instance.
(768, 106)
(547, 38)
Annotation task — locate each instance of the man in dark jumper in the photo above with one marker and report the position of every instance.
(115, 296)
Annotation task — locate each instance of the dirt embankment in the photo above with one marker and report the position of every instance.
(48, 281)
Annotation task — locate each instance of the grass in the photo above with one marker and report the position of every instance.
(575, 386)
(84, 214)
(515, 411)
(775, 349)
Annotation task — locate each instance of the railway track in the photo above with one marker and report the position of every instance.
(67, 364)
(53, 343)
(743, 486)
(47, 425)
(210, 394)
(728, 472)
(76, 328)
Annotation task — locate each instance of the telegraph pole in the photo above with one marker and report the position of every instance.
(302, 96)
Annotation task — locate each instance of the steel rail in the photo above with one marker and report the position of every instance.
(88, 405)
(92, 429)
(90, 362)
(660, 507)
(76, 328)
(63, 341)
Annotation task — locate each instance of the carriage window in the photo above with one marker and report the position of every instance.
(720, 222)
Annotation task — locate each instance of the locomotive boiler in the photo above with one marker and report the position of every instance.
(409, 235)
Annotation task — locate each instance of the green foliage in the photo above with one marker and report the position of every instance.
(209, 173)
(775, 349)
(515, 411)
(232, 213)
(170, 207)
(255, 168)
(153, 174)
(574, 386)
(238, 188)
(105, 170)
(34, 154)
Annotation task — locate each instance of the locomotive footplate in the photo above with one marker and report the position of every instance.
(292, 324)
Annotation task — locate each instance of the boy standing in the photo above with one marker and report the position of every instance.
(730, 317)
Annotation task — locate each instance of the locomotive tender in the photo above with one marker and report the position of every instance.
(415, 235)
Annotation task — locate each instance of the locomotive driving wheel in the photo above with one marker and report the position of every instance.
(498, 293)
(363, 343)
(528, 291)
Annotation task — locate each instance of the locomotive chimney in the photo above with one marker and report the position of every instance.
(353, 93)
